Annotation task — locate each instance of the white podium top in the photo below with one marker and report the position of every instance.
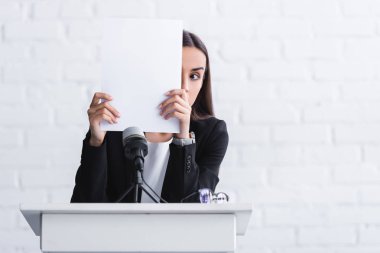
(33, 212)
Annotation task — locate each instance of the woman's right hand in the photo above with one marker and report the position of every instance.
(98, 112)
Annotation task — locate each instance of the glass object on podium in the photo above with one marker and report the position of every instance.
(206, 196)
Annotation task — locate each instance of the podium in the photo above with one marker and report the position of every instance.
(143, 227)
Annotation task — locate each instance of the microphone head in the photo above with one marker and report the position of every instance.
(135, 145)
(132, 132)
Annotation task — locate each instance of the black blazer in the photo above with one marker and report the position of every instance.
(104, 173)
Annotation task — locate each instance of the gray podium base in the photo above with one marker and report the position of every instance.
(116, 228)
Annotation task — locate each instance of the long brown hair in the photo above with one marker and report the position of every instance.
(202, 107)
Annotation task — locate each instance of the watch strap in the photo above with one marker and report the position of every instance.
(184, 141)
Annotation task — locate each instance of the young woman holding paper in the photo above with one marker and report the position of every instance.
(177, 165)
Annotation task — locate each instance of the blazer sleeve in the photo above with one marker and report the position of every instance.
(91, 177)
(185, 176)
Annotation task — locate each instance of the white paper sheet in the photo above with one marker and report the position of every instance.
(141, 61)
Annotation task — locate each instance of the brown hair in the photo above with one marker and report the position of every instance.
(202, 107)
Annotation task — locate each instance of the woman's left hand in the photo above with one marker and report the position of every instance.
(177, 106)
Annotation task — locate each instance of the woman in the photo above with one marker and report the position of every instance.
(177, 165)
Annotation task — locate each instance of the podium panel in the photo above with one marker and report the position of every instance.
(138, 233)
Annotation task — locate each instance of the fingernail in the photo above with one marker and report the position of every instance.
(160, 106)
(167, 93)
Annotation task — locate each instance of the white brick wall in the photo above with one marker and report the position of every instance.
(297, 82)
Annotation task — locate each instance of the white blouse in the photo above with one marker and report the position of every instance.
(155, 168)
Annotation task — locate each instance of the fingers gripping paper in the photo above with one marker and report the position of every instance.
(141, 61)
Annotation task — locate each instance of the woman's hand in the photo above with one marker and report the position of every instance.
(177, 106)
(98, 112)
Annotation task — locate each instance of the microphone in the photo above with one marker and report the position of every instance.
(135, 146)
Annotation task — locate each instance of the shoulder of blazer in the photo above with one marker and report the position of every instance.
(205, 128)
(114, 139)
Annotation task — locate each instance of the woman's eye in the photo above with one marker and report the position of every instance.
(194, 76)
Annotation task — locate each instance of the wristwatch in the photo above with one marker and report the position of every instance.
(184, 141)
